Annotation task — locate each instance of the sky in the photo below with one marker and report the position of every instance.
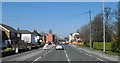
(62, 17)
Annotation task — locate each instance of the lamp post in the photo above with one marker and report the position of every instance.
(104, 22)
(90, 30)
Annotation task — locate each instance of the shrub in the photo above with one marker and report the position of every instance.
(8, 49)
(116, 46)
(87, 44)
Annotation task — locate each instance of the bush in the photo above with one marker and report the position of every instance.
(99, 46)
(116, 46)
(8, 49)
(87, 44)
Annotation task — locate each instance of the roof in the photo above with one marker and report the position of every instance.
(36, 33)
(24, 31)
(9, 28)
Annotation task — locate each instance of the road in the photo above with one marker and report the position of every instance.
(70, 54)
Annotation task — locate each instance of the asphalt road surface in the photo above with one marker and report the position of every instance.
(70, 54)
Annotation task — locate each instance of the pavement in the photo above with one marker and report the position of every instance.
(70, 54)
(98, 53)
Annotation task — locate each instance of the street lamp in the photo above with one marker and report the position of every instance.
(104, 22)
(90, 30)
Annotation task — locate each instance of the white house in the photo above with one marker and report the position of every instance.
(36, 37)
(25, 35)
(72, 36)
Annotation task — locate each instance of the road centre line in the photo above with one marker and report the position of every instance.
(44, 54)
(81, 51)
(90, 55)
(65, 53)
(67, 56)
(99, 59)
(38, 58)
(86, 54)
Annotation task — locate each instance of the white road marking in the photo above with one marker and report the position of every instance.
(50, 50)
(67, 56)
(86, 54)
(99, 59)
(68, 60)
(90, 55)
(81, 51)
(44, 54)
(37, 58)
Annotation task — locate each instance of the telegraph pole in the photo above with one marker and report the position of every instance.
(104, 22)
(90, 30)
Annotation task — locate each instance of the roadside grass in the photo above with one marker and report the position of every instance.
(100, 50)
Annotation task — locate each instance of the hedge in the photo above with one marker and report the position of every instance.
(99, 46)
(87, 44)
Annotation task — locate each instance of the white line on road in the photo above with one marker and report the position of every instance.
(86, 54)
(68, 60)
(37, 58)
(81, 51)
(67, 56)
(99, 59)
(44, 54)
(90, 55)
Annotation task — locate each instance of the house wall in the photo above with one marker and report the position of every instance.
(70, 38)
(5, 30)
(44, 38)
(49, 37)
(26, 37)
(5, 35)
(35, 39)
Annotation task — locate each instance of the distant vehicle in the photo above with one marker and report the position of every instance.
(53, 45)
(59, 47)
(45, 47)
(63, 42)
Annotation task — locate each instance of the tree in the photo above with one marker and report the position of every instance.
(85, 33)
(97, 28)
(115, 24)
(108, 17)
(116, 45)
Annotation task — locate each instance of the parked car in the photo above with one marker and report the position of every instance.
(59, 47)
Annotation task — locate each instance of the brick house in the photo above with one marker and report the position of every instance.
(48, 37)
